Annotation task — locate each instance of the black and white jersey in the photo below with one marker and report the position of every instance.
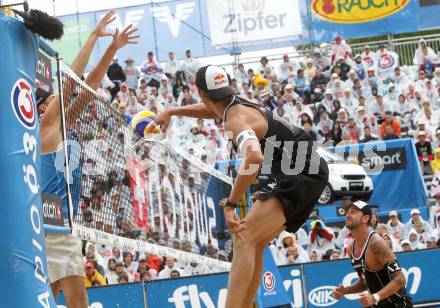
(377, 280)
(288, 142)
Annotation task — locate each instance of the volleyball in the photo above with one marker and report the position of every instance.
(141, 120)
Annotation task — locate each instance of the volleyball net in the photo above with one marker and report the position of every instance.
(137, 193)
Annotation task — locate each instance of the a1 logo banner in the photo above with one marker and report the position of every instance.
(271, 292)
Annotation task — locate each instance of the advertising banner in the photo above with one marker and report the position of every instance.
(417, 266)
(271, 292)
(360, 18)
(307, 285)
(204, 291)
(24, 281)
(394, 168)
(262, 21)
(122, 296)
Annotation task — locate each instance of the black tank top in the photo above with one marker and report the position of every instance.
(375, 280)
(278, 132)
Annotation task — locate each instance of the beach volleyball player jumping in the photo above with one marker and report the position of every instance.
(63, 251)
(297, 175)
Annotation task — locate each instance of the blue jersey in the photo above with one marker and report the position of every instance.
(53, 181)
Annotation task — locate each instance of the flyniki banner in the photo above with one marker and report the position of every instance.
(307, 285)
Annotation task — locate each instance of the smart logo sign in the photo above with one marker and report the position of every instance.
(246, 21)
(356, 11)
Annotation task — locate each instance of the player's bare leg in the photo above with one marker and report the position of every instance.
(74, 291)
(263, 218)
(249, 296)
(55, 289)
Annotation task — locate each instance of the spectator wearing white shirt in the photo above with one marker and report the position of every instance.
(415, 217)
(170, 265)
(424, 55)
(190, 65)
(395, 227)
(111, 276)
(164, 86)
(152, 71)
(171, 67)
(340, 50)
(195, 269)
(321, 62)
(133, 106)
(241, 75)
(322, 239)
(152, 103)
(414, 240)
(283, 70)
(131, 73)
(368, 56)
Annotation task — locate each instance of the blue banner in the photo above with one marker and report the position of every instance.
(308, 284)
(394, 168)
(419, 267)
(196, 292)
(271, 292)
(129, 295)
(24, 280)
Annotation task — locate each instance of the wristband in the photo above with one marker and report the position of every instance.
(226, 203)
(376, 298)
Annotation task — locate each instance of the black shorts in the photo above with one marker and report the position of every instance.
(298, 193)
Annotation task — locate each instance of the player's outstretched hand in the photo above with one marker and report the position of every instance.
(234, 223)
(338, 292)
(103, 23)
(162, 121)
(120, 39)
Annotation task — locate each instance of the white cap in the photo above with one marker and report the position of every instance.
(347, 90)
(214, 80)
(288, 86)
(264, 93)
(415, 211)
(361, 108)
(405, 242)
(334, 75)
(393, 213)
(328, 91)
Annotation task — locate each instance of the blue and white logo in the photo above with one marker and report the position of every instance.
(322, 296)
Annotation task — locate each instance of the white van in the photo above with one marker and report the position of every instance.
(345, 179)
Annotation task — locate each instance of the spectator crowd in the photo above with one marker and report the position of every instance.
(339, 97)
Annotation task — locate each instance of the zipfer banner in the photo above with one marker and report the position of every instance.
(309, 283)
(24, 280)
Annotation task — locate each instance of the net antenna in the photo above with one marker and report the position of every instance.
(136, 193)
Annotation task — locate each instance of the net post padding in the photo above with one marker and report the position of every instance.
(126, 188)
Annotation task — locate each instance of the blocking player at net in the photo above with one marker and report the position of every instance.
(379, 271)
(289, 197)
(63, 251)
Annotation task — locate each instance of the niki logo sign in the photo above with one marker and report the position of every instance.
(356, 11)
